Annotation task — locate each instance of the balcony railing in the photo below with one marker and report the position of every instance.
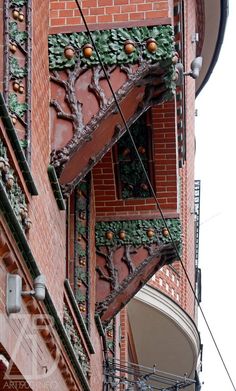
(125, 376)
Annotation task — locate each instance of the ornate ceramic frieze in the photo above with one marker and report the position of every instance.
(128, 254)
(111, 339)
(82, 254)
(17, 147)
(17, 73)
(115, 46)
(76, 342)
(137, 232)
(17, 107)
(14, 192)
(138, 61)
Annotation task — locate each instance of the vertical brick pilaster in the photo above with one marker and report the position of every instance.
(187, 172)
(124, 335)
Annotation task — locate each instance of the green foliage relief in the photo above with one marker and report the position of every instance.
(16, 35)
(110, 44)
(15, 107)
(136, 232)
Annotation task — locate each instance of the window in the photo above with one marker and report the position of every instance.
(131, 180)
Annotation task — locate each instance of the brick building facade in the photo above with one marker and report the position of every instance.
(76, 206)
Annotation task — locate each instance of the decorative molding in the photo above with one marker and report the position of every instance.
(17, 72)
(12, 190)
(110, 44)
(128, 254)
(83, 133)
(76, 342)
(17, 36)
(66, 343)
(106, 26)
(16, 145)
(79, 317)
(122, 292)
(81, 251)
(16, 107)
(17, 3)
(60, 157)
(137, 232)
(110, 336)
(99, 324)
(56, 188)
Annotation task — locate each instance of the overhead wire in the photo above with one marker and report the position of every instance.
(153, 191)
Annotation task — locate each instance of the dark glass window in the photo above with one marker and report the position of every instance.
(131, 180)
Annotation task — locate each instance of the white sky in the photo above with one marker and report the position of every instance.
(216, 167)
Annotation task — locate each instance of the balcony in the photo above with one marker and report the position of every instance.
(131, 377)
(164, 335)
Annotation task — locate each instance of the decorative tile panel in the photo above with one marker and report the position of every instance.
(76, 341)
(17, 72)
(14, 192)
(82, 257)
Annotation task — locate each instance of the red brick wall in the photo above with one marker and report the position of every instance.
(47, 234)
(164, 145)
(187, 173)
(124, 336)
(165, 167)
(168, 281)
(65, 13)
(20, 336)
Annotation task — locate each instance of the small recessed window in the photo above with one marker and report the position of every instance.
(131, 179)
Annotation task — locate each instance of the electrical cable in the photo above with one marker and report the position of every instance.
(152, 191)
